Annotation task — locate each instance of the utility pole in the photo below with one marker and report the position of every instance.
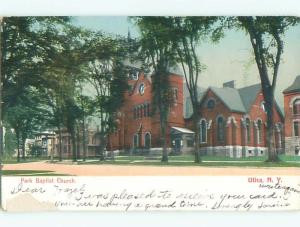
(1, 126)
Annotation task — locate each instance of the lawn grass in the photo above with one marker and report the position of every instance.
(14, 160)
(30, 173)
(184, 160)
(202, 164)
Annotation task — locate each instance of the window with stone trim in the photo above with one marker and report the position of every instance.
(259, 131)
(147, 140)
(248, 130)
(148, 110)
(145, 110)
(135, 141)
(141, 111)
(220, 129)
(134, 113)
(296, 106)
(296, 128)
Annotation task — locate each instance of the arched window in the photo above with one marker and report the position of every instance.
(296, 128)
(142, 110)
(134, 113)
(211, 104)
(148, 140)
(148, 110)
(296, 106)
(203, 131)
(145, 110)
(137, 112)
(135, 141)
(248, 130)
(259, 131)
(175, 95)
(220, 129)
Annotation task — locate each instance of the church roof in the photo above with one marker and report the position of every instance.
(231, 98)
(248, 95)
(294, 87)
(237, 100)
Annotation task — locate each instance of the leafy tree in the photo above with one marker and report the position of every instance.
(266, 37)
(10, 142)
(188, 32)
(157, 51)
(106, 73)
(87, 106)
(27, 47)
(26, 118)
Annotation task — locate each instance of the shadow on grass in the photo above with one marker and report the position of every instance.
(30, 173)
(202, 164)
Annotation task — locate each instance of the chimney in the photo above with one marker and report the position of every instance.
(229, 84)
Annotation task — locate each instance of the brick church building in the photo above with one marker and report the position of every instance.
(292, 118)
(233, 121)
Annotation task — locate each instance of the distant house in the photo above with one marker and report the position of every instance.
(92, 144)
(43, 144)
(233, 121)
(292, 118)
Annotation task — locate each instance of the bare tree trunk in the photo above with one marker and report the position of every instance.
(197, 136)
(163, 124)
(269, 102)
(23, 149)
(60, 144)
(78, 142)
(73, 140)
(84, 140)
(18, 146)
(23, 137)
(102, 145)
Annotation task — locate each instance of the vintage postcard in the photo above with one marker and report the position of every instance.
(150, 113)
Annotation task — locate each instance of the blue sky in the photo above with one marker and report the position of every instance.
(230, 59)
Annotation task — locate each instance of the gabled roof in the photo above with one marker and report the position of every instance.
(295, 87)
(236, 100)
(249, 94)
(231, 98)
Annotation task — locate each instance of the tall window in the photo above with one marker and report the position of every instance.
(203, 131)
(148, 140)
(175, 94)
(145, 110)
(148, 110)
(141, 109)
(135, 141)
(134, 113)
(296, 106)
(220, 129)
(296, 128)
(137, 112)
(248, 131)
(259, 131)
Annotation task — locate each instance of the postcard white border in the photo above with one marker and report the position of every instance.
(135, 7)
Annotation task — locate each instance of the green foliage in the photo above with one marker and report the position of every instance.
(105, 71)
(10, 142)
